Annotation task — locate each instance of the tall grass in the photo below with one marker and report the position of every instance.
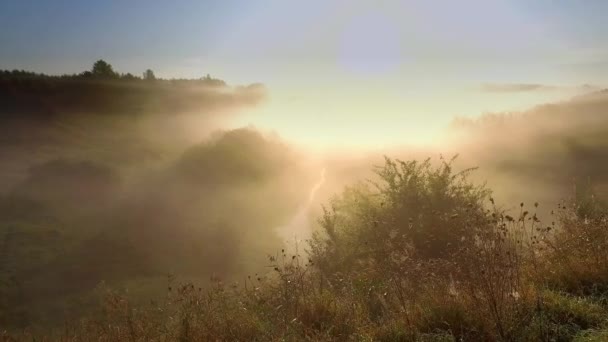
(419, 254)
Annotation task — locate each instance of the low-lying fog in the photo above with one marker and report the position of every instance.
(178, 189)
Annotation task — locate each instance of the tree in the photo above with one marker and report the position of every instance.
(212, 81)
(86, 74)
(128, 77)
(149, 75)
(102, 69)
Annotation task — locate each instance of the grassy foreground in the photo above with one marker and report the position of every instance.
(419, 254)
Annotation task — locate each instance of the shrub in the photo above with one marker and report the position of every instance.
(413, 211)
(421, 254)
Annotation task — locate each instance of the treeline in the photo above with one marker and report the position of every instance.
(102, 90)
(102, 71)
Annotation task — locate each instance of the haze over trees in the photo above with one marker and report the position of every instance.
(138, 193)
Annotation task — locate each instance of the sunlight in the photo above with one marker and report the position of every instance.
(345, 126)
(327, 170)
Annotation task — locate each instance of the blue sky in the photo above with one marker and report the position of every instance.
(183, 36)
(420, 62)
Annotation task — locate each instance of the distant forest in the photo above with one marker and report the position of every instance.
(102, 90)
(101, 70)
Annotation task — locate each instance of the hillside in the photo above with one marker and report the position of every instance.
(129, 213)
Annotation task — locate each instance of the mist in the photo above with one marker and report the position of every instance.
(546, 154)
(395, 170)
(123, 183)
(542, 154)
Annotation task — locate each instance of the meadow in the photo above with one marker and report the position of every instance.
(130, 211)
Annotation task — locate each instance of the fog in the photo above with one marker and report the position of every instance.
(543, 154)
(126, 186)
(129, 185)
(546, 154)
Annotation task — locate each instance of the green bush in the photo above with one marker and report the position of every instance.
(414, 210)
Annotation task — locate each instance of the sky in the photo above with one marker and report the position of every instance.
(338, 71)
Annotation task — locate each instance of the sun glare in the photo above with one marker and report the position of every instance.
(315, 127)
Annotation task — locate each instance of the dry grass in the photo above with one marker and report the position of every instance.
(421, 255)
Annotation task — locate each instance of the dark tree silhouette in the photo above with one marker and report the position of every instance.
(128, 77)
(102, 69)
(149, 75)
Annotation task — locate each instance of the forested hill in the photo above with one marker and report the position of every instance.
(102, 90)
(117, 119)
